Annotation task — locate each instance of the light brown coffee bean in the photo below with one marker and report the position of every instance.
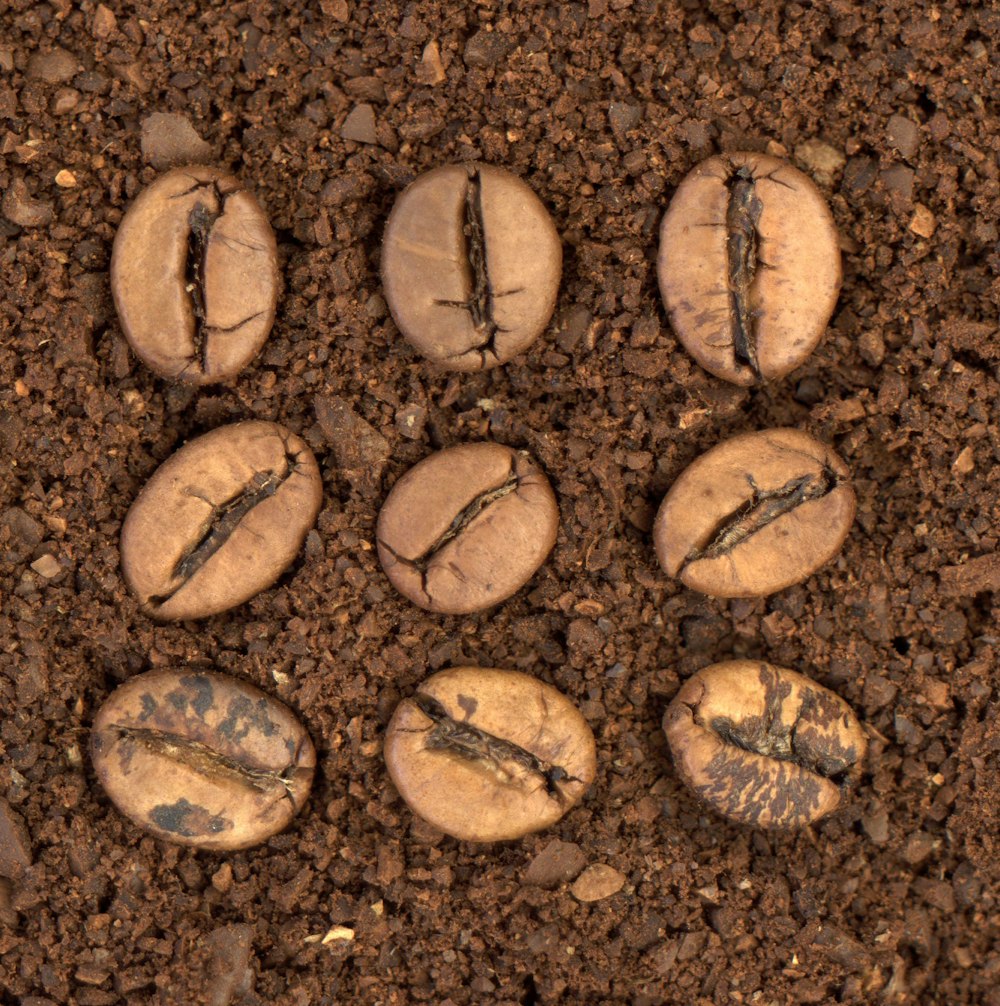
(755, 514)
(763, 745)
(487, 755)
(202, 759)
(467, 527)
(194, 274)
(749, 266)
(220, 520)
(471, 263)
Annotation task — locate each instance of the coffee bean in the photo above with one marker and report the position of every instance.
(471, 263)
(220, 520)
(755, 514)
(467, 527)
(749, 266)
(194, 273)
(202, 759)
(487, 755)
(763, 745)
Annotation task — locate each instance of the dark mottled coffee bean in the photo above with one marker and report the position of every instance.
(755, 514)
(220, 520)
(487, 755)
(467, 527)
(471, 263)
(749, 266)
(194, 273)
(202, 759)
(763, 745)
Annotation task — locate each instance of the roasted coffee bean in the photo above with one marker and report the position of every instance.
(467, 527)
(194, 273)
(763, 745)
(471, 263)
(749, 266)
(220, 520)
(487, 755)
(755, 514)
(202, 759)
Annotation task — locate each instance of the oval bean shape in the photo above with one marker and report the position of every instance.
(220, 520)
(763, 745)
(487, 754)
(755, 514)
(471, 264)
(748, 266)
(202, 759)
(194, 274)
(467, 527)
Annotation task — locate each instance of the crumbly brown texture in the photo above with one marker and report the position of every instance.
(603, 108)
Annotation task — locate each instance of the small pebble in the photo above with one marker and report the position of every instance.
(54, 67)
(65, 179)
(597, 882)
(431, 69)
(169, 139)
(47, 566)
(923, 223)
(558, 863)
(19, 207)
(359, 125)
(104, 22)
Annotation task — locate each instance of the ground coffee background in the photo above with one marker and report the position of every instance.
(602, 107)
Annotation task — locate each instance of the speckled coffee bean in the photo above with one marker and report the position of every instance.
(194, 273)
(471, 263)
(467, 527)
(202, 759)
(755, 514)
(220, 520)
(487, 754)
(762, 745)
(749, 266)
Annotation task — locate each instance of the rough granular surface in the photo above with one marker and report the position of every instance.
(638, 896)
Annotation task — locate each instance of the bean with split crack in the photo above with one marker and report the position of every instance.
(467, 527)
(202, 759)
(486, 754)
(471, 263)
(220, 520)
(763, 745)
(749, 266)
(755, 514)
(194, 274)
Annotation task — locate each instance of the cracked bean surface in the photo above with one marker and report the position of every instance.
(486, 754)
(203, 759)
(467, 527)
(471, 264)
(755, 514)
(194, 274)
(763, 745)
(748, 266)
(220, 520)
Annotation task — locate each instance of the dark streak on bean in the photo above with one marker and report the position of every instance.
(467, 741)
(462, 519)
(224, 520)
(742, 216)
(205, 759)
(764, 507)
(480, 302)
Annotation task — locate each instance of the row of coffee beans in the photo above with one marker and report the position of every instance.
(749, 270)
(483, 754)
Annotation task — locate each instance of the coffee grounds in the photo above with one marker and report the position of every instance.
(602, 107)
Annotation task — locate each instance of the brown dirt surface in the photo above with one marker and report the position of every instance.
(602, 106)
